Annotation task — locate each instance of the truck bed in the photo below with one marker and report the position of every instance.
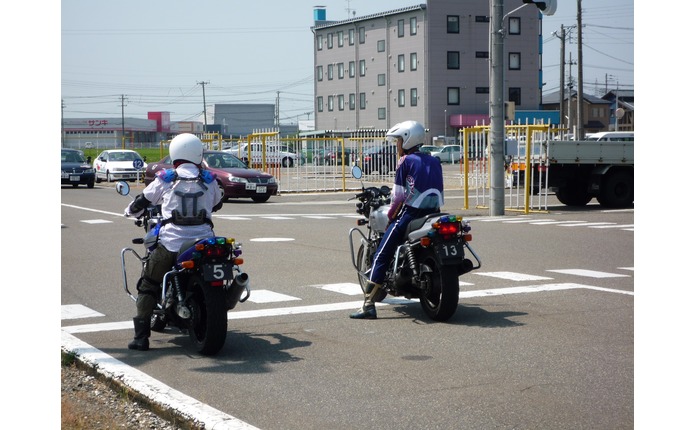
(590, 152)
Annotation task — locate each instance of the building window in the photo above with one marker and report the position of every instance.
(329, 41)
(482, 54)
(330, 72)
(351, 69)
(341, 102)
(514, 25)
(381, 79)
(381, 45)
(330, 103)
(452, 23)
(514, 61)
(351, 36)
(482, 90)
(515, 95)
(363, 68)
(319, 103)
(363, 101)
(401, 63)
(339, 36)
(361, 35)
(319, 73)
(381, 113)
(319, 42)
(341, 70)
(401, 27)
(413, 26)
(351, 101)
(401, 98)
(413, 97)
(482, 18)
(453, 61)
(413, 61)
(453, 96)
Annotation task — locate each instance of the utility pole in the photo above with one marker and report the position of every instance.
(277, 110)
(570, 84)
(580, 75)
(562, 72)
(205, 110)
(497, 109)
(122, 121)
(62, 124)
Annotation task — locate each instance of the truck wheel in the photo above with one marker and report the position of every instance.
(573, 194)
(617, 190)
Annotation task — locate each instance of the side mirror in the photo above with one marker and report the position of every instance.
(122, 188)
(356, 172)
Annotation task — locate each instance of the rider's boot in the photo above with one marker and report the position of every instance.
(368, 310)
(141, 342)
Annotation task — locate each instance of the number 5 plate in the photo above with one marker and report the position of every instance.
(218, 271)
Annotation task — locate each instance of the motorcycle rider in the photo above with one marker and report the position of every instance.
(418, 191)
(188, 195)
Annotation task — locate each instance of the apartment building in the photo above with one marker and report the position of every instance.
(428, 62)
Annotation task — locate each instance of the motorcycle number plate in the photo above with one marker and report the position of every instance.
(218, 271)
(450, 251)
(261, 189)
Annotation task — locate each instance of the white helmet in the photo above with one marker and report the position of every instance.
(186, 147)
(412, 132)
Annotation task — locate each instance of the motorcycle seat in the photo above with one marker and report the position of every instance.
(187, 244)
(417, 223)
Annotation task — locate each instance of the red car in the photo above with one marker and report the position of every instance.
(234, 177)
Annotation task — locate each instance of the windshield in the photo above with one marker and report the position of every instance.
(71, 157)
(221, 160)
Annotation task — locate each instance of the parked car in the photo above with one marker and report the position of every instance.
(334, 156)
(429, 148)
(380, 159)
(118, 165)
(449, 154)
(273, 155)
(234, 177)
(75, 169)
(300, 156)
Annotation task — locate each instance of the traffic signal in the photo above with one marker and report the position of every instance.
(547, 7)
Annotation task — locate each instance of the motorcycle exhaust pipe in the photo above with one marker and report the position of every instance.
(233, 293)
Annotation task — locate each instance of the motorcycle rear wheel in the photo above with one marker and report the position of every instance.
(441, 298)
(208, 325)
(364, 263)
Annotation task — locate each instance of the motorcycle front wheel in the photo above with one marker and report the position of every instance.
(364, 263)
(208, 324)
(440, 298)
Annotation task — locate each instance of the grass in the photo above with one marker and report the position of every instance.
(148, 154)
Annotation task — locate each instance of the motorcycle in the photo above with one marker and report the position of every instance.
(426, 265)
(203, 285)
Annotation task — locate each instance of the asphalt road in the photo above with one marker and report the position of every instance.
(543, 337)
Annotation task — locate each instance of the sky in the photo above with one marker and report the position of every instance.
(161, 55)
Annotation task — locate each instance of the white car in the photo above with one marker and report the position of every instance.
(119, 165)
(448, 154)
(273, 155)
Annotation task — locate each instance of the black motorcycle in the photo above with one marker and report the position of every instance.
(197, 292)
(426, 265)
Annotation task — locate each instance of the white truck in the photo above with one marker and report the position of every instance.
(578, 171)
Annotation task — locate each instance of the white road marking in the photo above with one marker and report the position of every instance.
(69, 312)
(512, 276)
(96, 221)
(589, 273)
(151, 388)
(267, 296)
(272, 239)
